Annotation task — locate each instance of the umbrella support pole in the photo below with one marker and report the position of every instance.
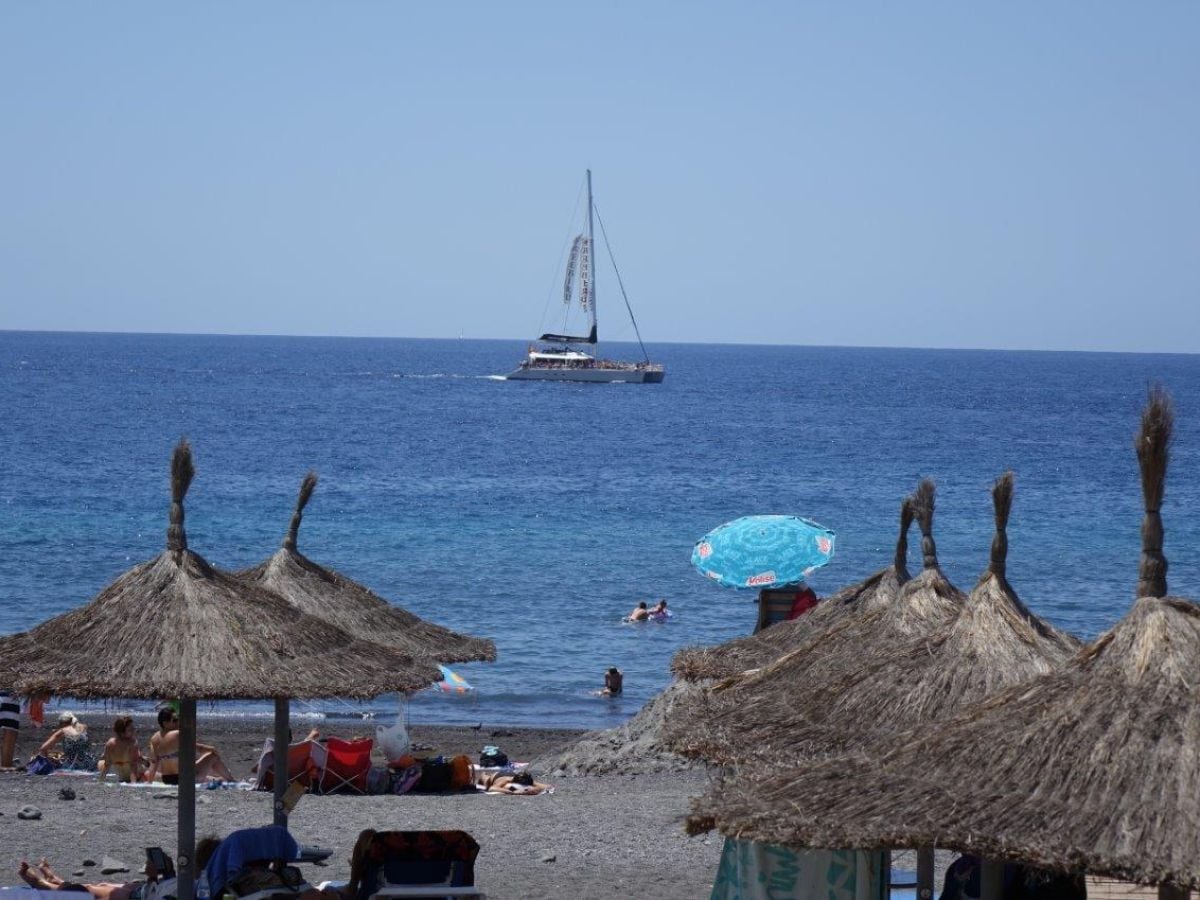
(924, 873)
(185, 856)
(282, 713)
(991, 880)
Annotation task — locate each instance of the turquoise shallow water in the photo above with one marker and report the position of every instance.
(538, 514)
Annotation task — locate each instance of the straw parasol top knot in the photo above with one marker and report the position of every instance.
(1152, 444)
(182, 472)
(906, 517)
(1002, 497)
(924, 501)
(306, 489)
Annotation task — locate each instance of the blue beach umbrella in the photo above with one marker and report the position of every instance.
(763, 551)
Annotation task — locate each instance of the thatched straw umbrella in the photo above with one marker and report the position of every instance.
(178, 627)
(1094, 767)
(751, 716)
(751, 652)
(352, 607)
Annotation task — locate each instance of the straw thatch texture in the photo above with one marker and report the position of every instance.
(753, 651)
(753, 716)
(1095, 766)
(327, 595)
(993, 643)
(178, 627)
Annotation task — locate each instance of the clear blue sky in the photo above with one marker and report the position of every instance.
(1019, 175)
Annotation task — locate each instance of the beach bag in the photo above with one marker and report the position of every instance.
(41, 765)
(493, 757)
(435, 776)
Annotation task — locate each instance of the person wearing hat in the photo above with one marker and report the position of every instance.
(76, 745)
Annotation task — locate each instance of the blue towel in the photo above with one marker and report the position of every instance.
(246, 846)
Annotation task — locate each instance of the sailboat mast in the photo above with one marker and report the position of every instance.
(592, 253)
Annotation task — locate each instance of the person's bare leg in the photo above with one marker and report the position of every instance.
(211, 764)
(33, 877)
(48, 873)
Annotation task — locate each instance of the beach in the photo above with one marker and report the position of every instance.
(602, 837)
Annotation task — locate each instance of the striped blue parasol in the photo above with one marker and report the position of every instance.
(763, 551)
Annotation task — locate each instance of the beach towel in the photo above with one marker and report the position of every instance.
(753, 871)
(246, 846)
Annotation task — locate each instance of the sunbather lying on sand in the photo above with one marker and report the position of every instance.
(520, 783)
(45, 878)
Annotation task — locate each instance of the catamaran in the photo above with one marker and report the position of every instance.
(568, 357)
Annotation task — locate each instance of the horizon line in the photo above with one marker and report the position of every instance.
(526, 340)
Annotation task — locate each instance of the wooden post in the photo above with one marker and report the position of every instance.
(925, 884)
(185, 850)
(281, 752)
(991, 880)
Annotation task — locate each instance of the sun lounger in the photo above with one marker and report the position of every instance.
(419, 864)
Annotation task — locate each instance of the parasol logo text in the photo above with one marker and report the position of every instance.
(824, 544)
(704, 550)
(761, 579)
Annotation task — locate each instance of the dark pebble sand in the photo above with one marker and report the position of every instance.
(594, 837)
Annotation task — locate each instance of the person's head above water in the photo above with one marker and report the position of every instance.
(613, 670)
(642, 605)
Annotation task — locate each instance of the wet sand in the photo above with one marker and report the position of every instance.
(601, 837)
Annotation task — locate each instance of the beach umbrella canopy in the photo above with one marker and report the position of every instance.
(994, 642)
(763, 551)
(1092, 767)
(339, 600)
(764, 647)
(176, 626)
(740, 719)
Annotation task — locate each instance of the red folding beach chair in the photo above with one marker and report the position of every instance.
(303, 766)
(347, 765)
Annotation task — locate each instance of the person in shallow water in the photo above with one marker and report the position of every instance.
(640, 613)
(614, 682)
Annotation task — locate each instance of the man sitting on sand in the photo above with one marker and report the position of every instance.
(164, 753)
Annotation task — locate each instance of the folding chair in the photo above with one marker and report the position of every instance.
(418, 864)
(347, 765)
(304, 764)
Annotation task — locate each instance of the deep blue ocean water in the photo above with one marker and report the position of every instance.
(539, 514)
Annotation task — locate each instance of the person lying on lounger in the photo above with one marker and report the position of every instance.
(44, 878)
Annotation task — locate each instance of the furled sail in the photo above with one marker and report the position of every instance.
(570, 338)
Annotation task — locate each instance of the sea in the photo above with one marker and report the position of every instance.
(540, 514)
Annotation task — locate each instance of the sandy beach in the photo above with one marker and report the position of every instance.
(603, 837)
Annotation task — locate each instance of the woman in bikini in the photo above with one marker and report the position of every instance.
(164, 753)
(122, 754)
(76, 745)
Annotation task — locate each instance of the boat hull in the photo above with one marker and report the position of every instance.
(593, 376)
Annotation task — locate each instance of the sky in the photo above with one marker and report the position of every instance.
(1017, 175)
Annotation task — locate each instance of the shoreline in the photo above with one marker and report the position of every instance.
(598, 837)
